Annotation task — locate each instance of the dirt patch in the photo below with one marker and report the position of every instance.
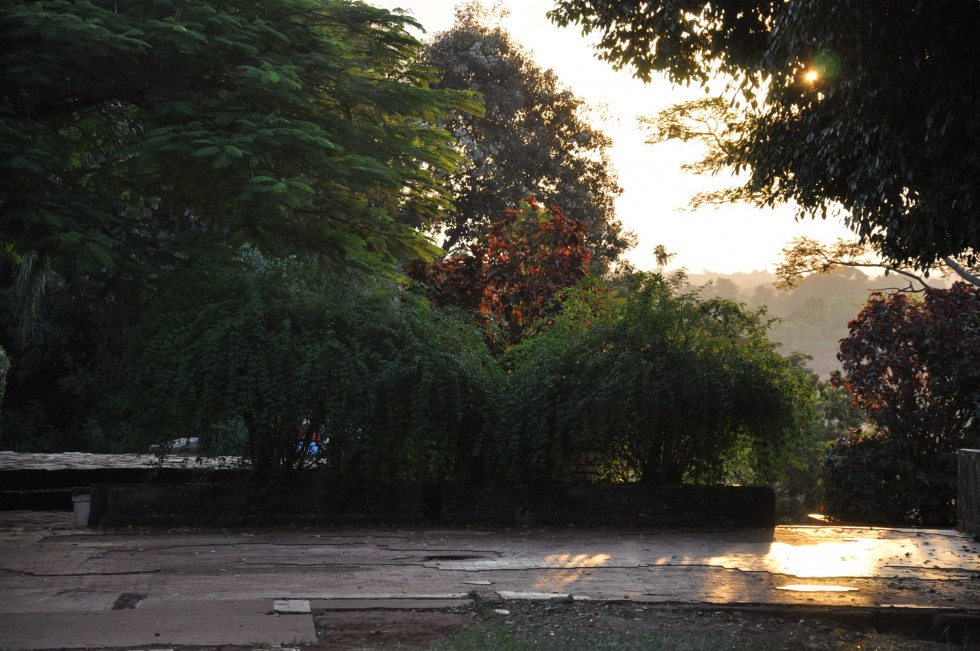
(587, 626)
(346, 630)
(552, 624)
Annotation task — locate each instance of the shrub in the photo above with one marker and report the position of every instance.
(661, 386)
(878, 479)
(394, 389)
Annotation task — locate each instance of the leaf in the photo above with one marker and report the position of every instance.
(100, 254)
(19, 162)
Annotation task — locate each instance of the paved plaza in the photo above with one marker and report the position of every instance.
(62, 587)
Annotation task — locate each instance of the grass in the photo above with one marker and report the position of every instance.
(501, 640)
(625, 628)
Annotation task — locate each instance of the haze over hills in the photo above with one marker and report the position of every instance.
(812, 319)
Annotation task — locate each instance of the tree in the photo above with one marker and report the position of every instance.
(910, 365)
(533, 140)
(510, 280)
(275, 353)
(60, 369)
(132, 133)
(806, 256)
(857, 105)
(660, 386)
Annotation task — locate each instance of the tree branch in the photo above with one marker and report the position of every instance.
(962, 271)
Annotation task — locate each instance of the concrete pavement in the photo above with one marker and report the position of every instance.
(73, 588)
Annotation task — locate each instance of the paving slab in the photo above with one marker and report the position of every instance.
(70, 588)
(202, 623)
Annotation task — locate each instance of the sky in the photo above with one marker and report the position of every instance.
(656, 192)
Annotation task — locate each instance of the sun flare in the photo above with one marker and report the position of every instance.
(811, 76)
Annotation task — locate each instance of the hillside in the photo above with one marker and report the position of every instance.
(812, 319)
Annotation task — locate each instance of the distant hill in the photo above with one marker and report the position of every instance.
(813, 317)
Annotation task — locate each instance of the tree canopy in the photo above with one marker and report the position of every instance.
(866, 106)
(533, 140)
(909, 362)
(911, 365)
(127, 129)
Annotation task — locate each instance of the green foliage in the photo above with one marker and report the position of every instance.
(662, 386)
(534, 139)
(395, 390)
(800, 491)
(880, 479)
(132, 132)
(4, 369)
(879, 129)
(59, 371)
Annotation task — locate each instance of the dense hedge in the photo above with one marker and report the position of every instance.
(880, 479)
(263, 358)
(392, 388)
(655, 386)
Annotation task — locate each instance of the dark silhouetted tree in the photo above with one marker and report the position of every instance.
(533, 140)
(911, 365)
(850, 104)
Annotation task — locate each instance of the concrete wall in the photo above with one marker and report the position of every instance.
(223, 504)
(968, 493)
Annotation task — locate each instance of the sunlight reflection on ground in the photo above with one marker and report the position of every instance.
(861, 552)
(578, 563)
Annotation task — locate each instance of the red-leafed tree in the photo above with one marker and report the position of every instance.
(509, 280)
(913, 366)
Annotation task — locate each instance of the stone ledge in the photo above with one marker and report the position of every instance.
(454, 504)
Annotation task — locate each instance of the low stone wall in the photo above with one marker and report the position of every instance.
(43, 482)
(224, 504)
(968, 493)
(233, 504)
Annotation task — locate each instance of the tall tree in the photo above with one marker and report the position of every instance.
(865, 106)
(533, 140)
(129, 128)
(139, 137)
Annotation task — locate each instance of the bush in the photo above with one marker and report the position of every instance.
(879, 479)
(655, 387)
(394, 389)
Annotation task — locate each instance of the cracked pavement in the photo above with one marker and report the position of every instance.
(72, 588)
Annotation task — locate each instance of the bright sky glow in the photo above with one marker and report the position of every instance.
(656, 192)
